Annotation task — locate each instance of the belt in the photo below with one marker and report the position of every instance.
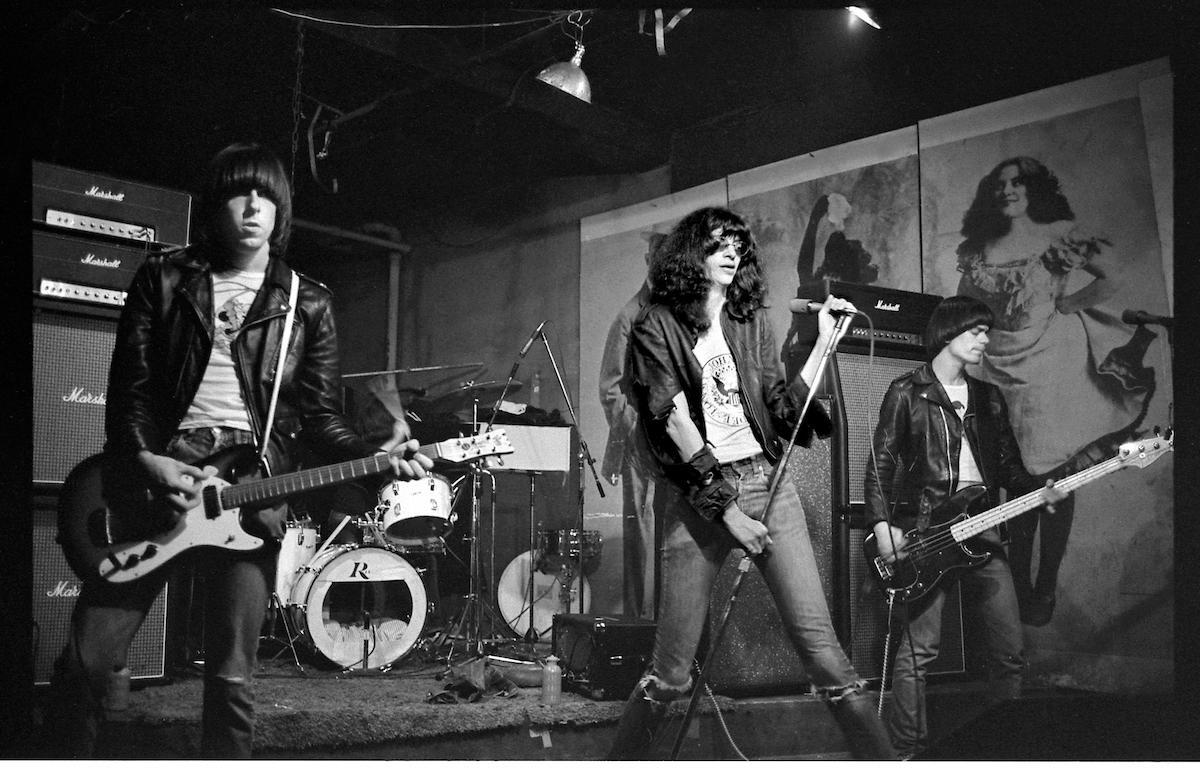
(757, 463)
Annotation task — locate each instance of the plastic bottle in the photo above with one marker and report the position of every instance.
(551, 681)
(116, 696)
(535, 390)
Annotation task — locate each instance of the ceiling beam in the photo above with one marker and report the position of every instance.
(610, 138)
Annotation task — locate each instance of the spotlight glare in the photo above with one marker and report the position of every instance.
(863, 14)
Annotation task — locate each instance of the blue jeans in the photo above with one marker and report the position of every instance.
(693, 553)
(640, 535)
(108, 615)
(990, 587)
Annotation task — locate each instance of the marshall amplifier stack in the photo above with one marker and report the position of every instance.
(855, 381)
(90, 234)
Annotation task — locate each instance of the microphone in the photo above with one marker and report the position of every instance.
(806, 306)
(532, 338)
(1132, 317)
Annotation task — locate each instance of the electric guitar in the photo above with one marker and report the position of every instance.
(931, 554)
(121, 535)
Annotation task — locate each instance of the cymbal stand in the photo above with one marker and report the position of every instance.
(584, 456)
(469, 622)
(531, 635)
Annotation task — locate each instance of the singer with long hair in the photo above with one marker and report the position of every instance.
(715, 410)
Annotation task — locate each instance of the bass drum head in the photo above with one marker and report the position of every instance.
(513, 597)
(360, 607)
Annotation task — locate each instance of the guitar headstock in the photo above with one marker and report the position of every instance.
(1141, 453)
(462, 449)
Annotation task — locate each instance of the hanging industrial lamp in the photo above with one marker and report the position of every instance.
(569, 76)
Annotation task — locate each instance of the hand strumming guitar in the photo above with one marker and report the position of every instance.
(177, 483)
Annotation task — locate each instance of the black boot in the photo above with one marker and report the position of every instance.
(865, 734)
(638, 726)
(227, 720)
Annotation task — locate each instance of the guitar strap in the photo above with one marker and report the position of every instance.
(293, 295)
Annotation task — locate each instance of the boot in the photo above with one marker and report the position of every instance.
(227, 720)
(865, 734)
(638, 726)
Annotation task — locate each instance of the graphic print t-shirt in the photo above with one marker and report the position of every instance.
(968, 470)
(725, 422)
(218, 401)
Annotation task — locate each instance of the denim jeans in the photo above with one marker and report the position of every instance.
(640, 535)
(990, 586)
(108, 615)
(693, 553)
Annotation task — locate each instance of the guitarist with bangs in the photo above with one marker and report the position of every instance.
(194, 371)
(941, 431)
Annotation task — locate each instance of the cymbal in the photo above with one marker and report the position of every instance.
(463, 395)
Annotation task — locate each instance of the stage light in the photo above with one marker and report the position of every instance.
(569, 76)
(863, 14)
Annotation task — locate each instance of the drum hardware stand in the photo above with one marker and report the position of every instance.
(584, 456)
(531, 636)
(700, 686)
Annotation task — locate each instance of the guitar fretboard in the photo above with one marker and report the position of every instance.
(1011, 509)
(258, 491)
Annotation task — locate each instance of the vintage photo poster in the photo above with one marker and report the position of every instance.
(847, 213)
(1045, 208)
(614, 256)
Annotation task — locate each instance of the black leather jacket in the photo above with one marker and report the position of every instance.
(162, 347)
(663, 366)
(918, 440)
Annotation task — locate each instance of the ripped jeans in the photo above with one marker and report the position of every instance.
(107, 616)
(693, 553)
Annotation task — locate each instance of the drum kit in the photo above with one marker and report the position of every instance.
(364, 605)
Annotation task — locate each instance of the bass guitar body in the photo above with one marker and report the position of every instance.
(112, 528)
(931, 554)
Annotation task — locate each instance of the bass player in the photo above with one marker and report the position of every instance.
(941, 431)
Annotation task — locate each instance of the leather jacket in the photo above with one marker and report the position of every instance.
(163, 342)
(918, 438)
(664, 365)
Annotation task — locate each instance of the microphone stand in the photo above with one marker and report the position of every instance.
(744, 564)
(584, 456)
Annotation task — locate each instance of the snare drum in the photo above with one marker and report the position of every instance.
(297, 549)
(559, 547)
(360, 607)
(416, 515)
(549, 598)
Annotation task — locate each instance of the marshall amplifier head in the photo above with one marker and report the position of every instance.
(897, 316)
(105, 207)
(87, 271)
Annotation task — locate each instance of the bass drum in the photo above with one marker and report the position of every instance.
(550, 597)
(359, 606)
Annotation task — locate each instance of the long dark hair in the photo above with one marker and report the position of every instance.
(951, 317)
(678, 274)
(235, 170)
(985, 221)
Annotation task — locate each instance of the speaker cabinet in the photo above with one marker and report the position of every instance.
(71, 355)
(55, 588)
(755, 656)
(861, 384)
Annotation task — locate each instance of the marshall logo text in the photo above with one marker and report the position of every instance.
(96, 192)
(64, 589)
(78, 395)
(91, 260)
(882, 306)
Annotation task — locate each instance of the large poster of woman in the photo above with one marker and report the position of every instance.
(1052, 221)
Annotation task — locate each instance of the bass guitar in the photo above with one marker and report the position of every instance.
(128, 534)
(931, 554)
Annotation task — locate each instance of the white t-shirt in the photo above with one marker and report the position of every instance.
(725, 421)
(218, 401)
(968, 470)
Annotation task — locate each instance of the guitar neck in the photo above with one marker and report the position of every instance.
(256, 492)
(997, 515)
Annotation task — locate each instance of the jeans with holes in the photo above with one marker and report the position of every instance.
(990, 588)
(107, 616)
(693, 553)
